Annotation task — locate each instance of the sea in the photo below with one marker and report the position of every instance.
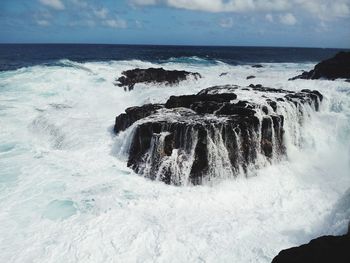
(67, 195)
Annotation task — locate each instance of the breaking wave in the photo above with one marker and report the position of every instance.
(67, 195)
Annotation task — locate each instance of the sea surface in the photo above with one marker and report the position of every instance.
(67, 195)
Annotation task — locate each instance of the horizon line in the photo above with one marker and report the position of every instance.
(169, 45)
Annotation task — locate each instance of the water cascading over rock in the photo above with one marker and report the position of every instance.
(218, 133)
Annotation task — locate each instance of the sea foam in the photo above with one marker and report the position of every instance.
(67, 195)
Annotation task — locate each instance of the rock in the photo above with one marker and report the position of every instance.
(153, 75)
(197, 138)
(223, 74)
(133, 114)
(323, 249)
(257, 66)
(331, 69)
(189, 100)
(251, 77)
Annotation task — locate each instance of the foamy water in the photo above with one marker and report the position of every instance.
(66, 194)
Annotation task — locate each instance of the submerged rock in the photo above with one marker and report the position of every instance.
(153, 75)
(197, 138)
(333, 68)
(257, 66)
(323, 249)
(251, 77)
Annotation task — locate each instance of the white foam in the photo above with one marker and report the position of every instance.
(66, 196)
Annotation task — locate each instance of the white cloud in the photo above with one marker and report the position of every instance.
(322, 9)
(269, 18)
(101, 13)
(55, 4)
(226, 22)
(43, 22)
(288, 19)
(115, 23)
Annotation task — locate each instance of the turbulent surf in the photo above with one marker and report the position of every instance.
(67, 193)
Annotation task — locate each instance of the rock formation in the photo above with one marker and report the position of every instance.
(217, 133)
(333, 68)
(153, 75)
(324, 249)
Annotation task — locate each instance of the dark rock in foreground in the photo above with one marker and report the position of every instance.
(153, 75)
(325, 249)
(333, 68)
(214, 134)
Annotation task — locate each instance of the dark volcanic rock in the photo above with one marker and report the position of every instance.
(333, 68)
(189, 100)
(325, 249)
(192, 139)
(133, 114)
(257, 66)
(153, 75)
(251, 77)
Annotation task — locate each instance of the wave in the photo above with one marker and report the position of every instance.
(192, 60)
(71, 64)
(63, 183)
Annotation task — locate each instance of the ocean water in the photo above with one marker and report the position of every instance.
(66, 194)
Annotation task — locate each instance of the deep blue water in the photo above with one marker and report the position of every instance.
(14, 56)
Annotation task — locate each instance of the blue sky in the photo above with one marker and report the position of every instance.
(310, 23)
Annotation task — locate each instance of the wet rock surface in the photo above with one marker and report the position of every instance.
(216, 133)
(153, 75)
(331, 69)
(323, 249)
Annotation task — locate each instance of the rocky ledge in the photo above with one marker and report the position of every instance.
(218, 133)
(333, 68)
(153, 75)
(324, 249)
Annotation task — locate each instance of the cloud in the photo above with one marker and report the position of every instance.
(322, 9)
(288, 19)
(101, 13)
(115, 23)
(269, 18)
(43, 22)
(55, 4)
(226, 22)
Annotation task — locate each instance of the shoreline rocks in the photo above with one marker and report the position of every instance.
(322, 249)
(153, 75)
(197, 138)
(331, 69)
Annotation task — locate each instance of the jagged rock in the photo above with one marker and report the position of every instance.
(251, 77)
(257, 66)
(153, 75)
(324, 249)
(213, 134)
(189, 100)
(133, 114)
(333, 68)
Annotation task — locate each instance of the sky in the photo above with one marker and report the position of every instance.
(297, 23)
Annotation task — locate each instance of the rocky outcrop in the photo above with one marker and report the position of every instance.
(331, 69)
(153, 75)
(324, 249)
(133, 114)
(217, 133)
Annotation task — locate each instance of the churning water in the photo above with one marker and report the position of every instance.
(66, 194)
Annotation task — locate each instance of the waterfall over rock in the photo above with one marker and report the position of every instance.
(218, 133)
